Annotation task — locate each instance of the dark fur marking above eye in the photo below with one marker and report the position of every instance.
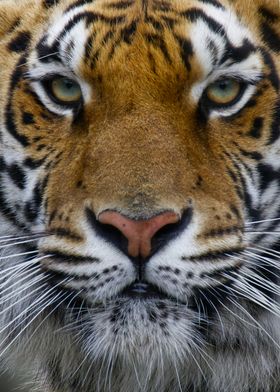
(157, 41)
(161, 5)
(14, 25)
(273, 73)
(194, 14)
(50, 3)
(270, 37)
(78, 3)
(48, 53)
(215, 3)
(268, 15)
(186, 50)
(119, 5)
(89, 18)
(128, 32)
(20, 43)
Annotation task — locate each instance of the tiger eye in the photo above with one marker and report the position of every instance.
(66, 90)
(223, 92)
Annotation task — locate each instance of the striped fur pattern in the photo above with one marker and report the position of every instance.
(144, 138)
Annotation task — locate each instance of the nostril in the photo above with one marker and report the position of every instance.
(171, 231)
(139, 238)
(107, 232)
(139, 233)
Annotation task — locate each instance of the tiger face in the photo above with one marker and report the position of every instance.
(140, 193)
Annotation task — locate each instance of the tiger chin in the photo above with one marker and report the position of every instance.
(139, 195)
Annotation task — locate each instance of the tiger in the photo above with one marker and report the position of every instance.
(140, 195)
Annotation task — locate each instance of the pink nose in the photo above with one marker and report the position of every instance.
(139, 233)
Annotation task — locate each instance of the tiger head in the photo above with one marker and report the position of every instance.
(140, 154)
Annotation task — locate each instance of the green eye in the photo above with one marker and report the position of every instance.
(65, 90)
(224, 91)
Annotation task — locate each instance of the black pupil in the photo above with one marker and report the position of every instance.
(223, 85)
(68, 84)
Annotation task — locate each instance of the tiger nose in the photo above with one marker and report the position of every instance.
(139, 233)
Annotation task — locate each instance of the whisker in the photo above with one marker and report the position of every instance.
(7, 238)
(27, 271)
(270, 251)
(255, 321)
(50, 313)
(18, 254)
(38, 279)
(253, 295)
(39, 58)
(266, 260)
(20, 242)
(262, 221)
(44, 295)
(39, 310)
(263, 232)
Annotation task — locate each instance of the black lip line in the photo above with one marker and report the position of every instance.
(145, 290)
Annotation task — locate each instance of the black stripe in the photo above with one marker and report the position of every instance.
(275, 126)
(155, 23)
(17, 175)
(10, 123)
(27, 118)
(66, 233)
(215, 3)
(194, 14)
(6, 209)
(89, 18)
(273, 75)
(270, 16)
(270, 37)
(50, 3)
(157, 41)
(32, 163)
(186, 51)
(47, 54)
(120, 5)
(214, 256)
(69, 258)
(20, 43)
(238, 54)
(78, 3)
(161, 5)
(32, 207)
(222, 232)
(255, 155)
(267, 175)
(127, 33)
(257, 127)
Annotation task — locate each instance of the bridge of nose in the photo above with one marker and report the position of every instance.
(139, 233)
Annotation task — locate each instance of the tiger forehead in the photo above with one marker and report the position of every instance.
(90, 33)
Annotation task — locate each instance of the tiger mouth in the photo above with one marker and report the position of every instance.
(142, 290)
